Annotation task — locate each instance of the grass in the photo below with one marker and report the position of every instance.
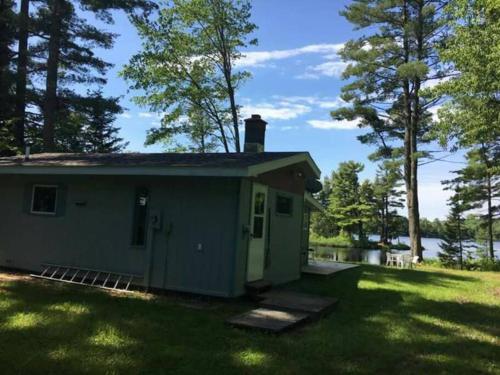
(388, 321)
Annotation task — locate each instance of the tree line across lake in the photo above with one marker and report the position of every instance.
(361, 208)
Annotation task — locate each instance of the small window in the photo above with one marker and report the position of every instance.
(284, 205)
(44, 200)
(140, 217)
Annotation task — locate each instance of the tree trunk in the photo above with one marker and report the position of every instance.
(50, 102)
(460, 245)
(491, 250)
(21, 79)
(4, 63)
(234, 114)
(410, 145)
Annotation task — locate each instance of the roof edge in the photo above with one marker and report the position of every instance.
(267, 166)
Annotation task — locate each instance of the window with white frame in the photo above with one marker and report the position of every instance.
(44, 199)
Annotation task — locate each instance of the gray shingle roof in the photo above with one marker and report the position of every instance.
(210, 160)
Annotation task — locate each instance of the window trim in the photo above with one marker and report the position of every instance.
(278, 195)
(43, 213)
(133, 245)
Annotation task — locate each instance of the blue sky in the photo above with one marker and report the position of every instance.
(295, 84)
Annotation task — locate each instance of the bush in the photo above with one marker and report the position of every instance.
(482, 264)
(341, 241)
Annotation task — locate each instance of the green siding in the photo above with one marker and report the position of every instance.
(97, 235)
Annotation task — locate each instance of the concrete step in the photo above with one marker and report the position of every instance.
(269, 320)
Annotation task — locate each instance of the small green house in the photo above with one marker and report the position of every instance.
(200, 223)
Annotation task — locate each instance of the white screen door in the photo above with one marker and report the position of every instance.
(257, 242)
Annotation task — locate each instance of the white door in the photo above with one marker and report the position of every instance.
(258, 225)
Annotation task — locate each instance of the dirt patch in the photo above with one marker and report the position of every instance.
(14, 276)
(496, 292)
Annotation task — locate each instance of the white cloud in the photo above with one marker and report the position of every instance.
(434, 111)
(278, 111)
(321, 102)
(287, 128)
(430, 83)
(334, 124)
(336, 103)
(327, 69)
(260, 58)
(432, 200)
(125, 115)
(146, 114)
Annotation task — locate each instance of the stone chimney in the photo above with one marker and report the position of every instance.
(255, 134)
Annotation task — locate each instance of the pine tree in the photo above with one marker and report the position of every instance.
(346, 206)
(7, 79)
(482, 187)
(388, 196)
(471, 118)
(452, 244)
(389, 68)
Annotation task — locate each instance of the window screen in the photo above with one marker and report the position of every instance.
(44, 199)
(284, 205)
(140, 217)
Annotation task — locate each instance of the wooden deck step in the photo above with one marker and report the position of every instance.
(257, 287)
(269, 320)
(326, 268)
(315, 306)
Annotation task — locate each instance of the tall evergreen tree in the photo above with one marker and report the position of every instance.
(482, 187)
(347, 207)
(389, 68)
(471, 118)
(452, 244)
(21, 73)
(7, 39)
(388, 196)
(68, 44)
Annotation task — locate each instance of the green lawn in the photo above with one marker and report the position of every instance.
(388, 321)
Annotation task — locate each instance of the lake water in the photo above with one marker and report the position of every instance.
(375, 256)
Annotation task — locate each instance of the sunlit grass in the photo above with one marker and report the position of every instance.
(23, 320)
(251, 358)
(388, 321)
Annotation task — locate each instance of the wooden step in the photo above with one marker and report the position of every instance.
(258, 286)
(315, 306)
(269, 320)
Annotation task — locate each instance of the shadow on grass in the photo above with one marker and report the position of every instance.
(47, 327)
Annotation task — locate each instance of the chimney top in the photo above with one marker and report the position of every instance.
(255, 134)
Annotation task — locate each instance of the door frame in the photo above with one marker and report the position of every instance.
(262, 250)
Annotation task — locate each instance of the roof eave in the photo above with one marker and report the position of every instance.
(258, 169)
(127, 171)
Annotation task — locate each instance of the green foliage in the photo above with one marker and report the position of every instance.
(342, 240)
(7, 77)
(59, 64)
(348, 206)
(187, 63)
(387, 69)
(388, 199)
(471, 117)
